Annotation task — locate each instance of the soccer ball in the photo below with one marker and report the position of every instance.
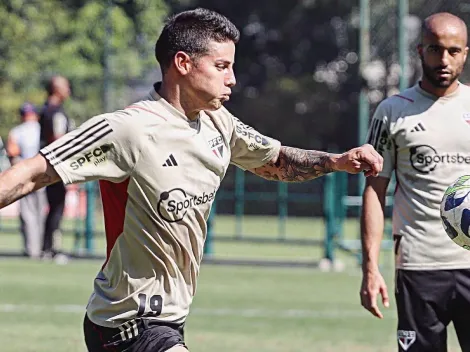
(455, 211)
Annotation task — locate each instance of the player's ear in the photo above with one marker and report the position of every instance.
(465, 52)
(419, 48)
(182, 62)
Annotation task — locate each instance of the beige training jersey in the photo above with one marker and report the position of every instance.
(425, 140)
(159, 175)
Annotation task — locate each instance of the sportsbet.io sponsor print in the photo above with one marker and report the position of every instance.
(174, 204)
(425, 158)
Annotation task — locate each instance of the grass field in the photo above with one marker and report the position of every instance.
(224, 226)
(236, 308)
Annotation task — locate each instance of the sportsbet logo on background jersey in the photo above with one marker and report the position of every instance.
(174, 204)
(425, 158)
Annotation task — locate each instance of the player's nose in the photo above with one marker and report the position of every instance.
(230, 79)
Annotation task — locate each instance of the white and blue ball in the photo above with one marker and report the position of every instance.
(455, 211)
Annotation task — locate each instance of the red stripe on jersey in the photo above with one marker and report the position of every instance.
(148, 110)
(114, 198)
(401, 96)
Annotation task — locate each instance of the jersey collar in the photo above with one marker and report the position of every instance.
(170, 108)
(445, 98)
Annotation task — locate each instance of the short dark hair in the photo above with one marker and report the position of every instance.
(191, 31)
(49, 87)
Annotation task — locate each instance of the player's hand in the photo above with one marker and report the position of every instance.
(361, 159)
(373, 284)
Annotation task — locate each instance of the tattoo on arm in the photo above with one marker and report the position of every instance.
(9, 189)
(26, 176)
(9, 196)
(296, 165)
(47, 178)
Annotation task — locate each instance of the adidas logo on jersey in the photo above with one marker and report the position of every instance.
(418, 128)
(171, 161)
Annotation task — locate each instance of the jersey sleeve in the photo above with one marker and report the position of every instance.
(249, 148)
(382, 140)
(104, 147)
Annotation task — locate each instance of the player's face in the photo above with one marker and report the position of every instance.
(212, 76)
(63, 87)
(443, 57)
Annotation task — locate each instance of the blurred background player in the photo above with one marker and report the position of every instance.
(423, 136)
(54, 124)
(23, 143)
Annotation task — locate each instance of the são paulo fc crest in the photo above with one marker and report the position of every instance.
(217, 146)
(466, 117)
(406, 338)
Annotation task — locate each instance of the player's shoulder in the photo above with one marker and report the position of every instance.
(464, 89)
(404, 99)
(59, 115)
(15, 131)
(135, 118)
(398, 105)
(143, 111)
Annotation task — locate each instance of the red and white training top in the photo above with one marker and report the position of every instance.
(424, 140)
(158, 173)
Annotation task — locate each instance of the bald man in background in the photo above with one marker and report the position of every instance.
(54, 124)
(423, 136)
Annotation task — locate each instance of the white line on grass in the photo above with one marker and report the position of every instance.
(225, 312)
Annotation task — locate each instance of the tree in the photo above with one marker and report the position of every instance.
(296, 67)
(75, 38)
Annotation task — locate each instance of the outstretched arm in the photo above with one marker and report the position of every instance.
(25, 177)
(297, 165)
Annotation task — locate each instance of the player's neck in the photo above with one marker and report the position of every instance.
(54, 100)
(173, 95)
(438, 92)
(30, 118)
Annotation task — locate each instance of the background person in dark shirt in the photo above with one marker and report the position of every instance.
(54, 124)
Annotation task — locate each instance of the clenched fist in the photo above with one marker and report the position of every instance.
(361, 159)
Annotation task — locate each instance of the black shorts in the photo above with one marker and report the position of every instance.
(138, 335)
(427, 301)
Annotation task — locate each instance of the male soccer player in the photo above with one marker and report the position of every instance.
(160, 162)
(54, 124)
(423, 136)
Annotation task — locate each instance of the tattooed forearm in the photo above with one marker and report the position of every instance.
(296, 165)
(11, 185)
(9, 196)
(25, 177)
(45, 179)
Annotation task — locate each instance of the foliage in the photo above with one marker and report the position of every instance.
(75, 38)
(296, 68)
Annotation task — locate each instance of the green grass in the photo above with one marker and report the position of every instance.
(225, 226)
(235, 309)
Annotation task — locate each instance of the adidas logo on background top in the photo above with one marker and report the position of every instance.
(418, 128)
(171, 161)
